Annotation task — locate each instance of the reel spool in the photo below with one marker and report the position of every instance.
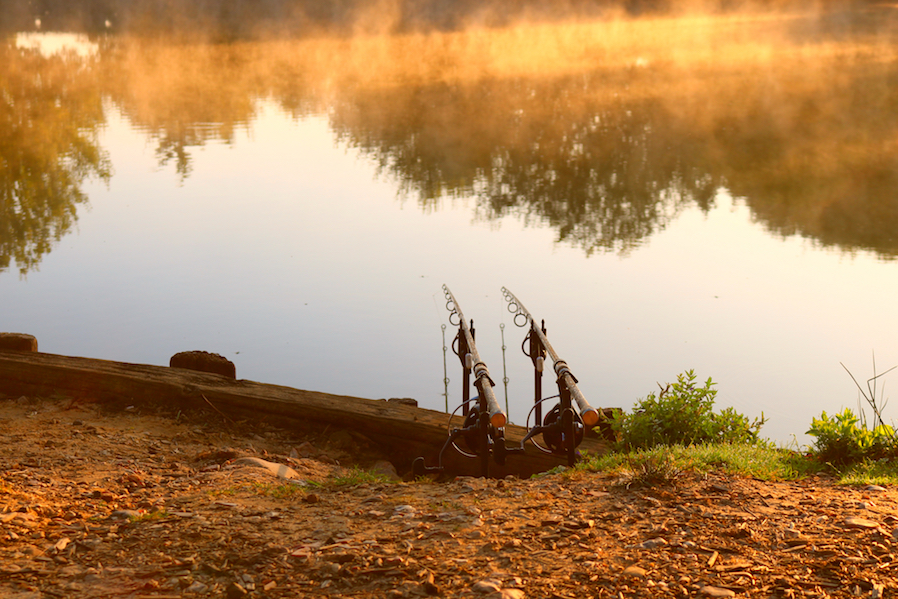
(553, 436)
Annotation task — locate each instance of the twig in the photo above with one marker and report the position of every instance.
(871, 399)
(216, 409)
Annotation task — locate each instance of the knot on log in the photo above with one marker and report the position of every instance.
(204, 361)
(405, 401)
(17, 342)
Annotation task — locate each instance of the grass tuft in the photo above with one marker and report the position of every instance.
(356, 476)
(278, 490)
(653, 471)
(660, 465)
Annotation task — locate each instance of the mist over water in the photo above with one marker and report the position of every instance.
(713, 191)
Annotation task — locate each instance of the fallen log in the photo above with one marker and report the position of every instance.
(403, 431)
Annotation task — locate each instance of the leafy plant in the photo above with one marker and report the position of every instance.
(843, 439)
(682, 413)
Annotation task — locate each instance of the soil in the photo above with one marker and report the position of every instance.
(141, 503)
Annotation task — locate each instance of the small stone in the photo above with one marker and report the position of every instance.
(196, 587)
(124, 514)
(634, 571)
(875, 488)
(855, 522)
(311, 498)
(70, 571)
(306, 450)
(249, 582)
(385, 469)
(578, 524)
(235, 591)
(512, 594)
(716, 592)
(278, 470)
(487, 586)
(551, 520)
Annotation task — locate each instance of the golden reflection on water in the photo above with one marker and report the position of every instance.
(602, 130)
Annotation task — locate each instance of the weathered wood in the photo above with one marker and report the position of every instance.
(18, 342)
(405, 432)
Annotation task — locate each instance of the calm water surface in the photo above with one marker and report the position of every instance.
(716, 194)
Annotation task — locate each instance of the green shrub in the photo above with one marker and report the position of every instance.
(682, 413)
(843, 440)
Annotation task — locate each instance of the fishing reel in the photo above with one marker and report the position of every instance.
(562, 429)
(477, 439)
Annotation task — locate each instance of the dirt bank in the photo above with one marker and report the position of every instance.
(132, 503)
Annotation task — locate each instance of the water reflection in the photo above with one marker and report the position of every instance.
(50, 112)
(603, 131)
(181, 95)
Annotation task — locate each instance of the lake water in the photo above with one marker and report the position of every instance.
(717, 193)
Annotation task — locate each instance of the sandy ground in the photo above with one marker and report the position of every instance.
(149, 504)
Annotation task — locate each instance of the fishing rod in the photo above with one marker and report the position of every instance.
(563, 427)
(484, 421)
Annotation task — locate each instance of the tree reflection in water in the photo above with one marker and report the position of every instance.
(607, 157)
(603, 131)
(50, 113)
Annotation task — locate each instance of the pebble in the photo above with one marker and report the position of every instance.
(634, 571)
(855, 522)
(716, 592)
(278, 470)
(386, 469)
(70, 571)
(875, 488)
(235, 591)
(196, 587)
(487, 586)
(124, 514)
